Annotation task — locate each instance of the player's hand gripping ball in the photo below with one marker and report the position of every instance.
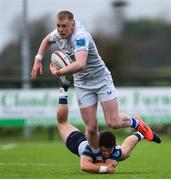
(60, 59)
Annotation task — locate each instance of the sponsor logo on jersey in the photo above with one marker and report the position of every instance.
(109, 92)
(116, 154)
(80, 42)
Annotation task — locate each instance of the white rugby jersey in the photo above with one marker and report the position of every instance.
(81, 40)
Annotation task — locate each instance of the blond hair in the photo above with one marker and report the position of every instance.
(65, 15)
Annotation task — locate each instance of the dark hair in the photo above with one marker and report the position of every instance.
(65, 15)
(107, 139)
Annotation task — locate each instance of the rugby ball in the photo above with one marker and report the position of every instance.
(60, 59)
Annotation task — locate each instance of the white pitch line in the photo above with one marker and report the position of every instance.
(8, 146)
(26, 164)
(31, 164)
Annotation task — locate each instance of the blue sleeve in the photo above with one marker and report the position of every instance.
(116, 155)
(88, 152)
(96, 157)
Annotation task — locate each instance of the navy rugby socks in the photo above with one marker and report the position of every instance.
(134, 123)
(138, 135)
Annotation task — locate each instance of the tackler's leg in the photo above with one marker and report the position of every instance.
(65, 129)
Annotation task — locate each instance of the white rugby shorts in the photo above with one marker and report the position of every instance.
(89, 92)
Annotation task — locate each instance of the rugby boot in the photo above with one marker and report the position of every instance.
(156, 138)
(63, 82)
(144, 129)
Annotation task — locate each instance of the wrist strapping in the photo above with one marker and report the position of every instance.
(39, 57)
(103, 169)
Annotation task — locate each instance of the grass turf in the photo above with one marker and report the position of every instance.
(52, 160)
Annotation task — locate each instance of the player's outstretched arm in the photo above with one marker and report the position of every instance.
(87, 165)
(129, 144)
(37, 67)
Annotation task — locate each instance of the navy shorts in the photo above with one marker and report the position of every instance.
(73, 141)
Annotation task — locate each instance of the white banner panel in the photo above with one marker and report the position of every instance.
(38, 107)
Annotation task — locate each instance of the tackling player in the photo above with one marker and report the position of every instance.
(92, 79)
(106, 160)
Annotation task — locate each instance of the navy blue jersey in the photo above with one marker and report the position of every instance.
(97, 157)
(77, 144)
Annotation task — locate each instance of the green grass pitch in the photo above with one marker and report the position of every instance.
(52, 160)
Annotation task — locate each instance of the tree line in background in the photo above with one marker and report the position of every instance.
(141, 57)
